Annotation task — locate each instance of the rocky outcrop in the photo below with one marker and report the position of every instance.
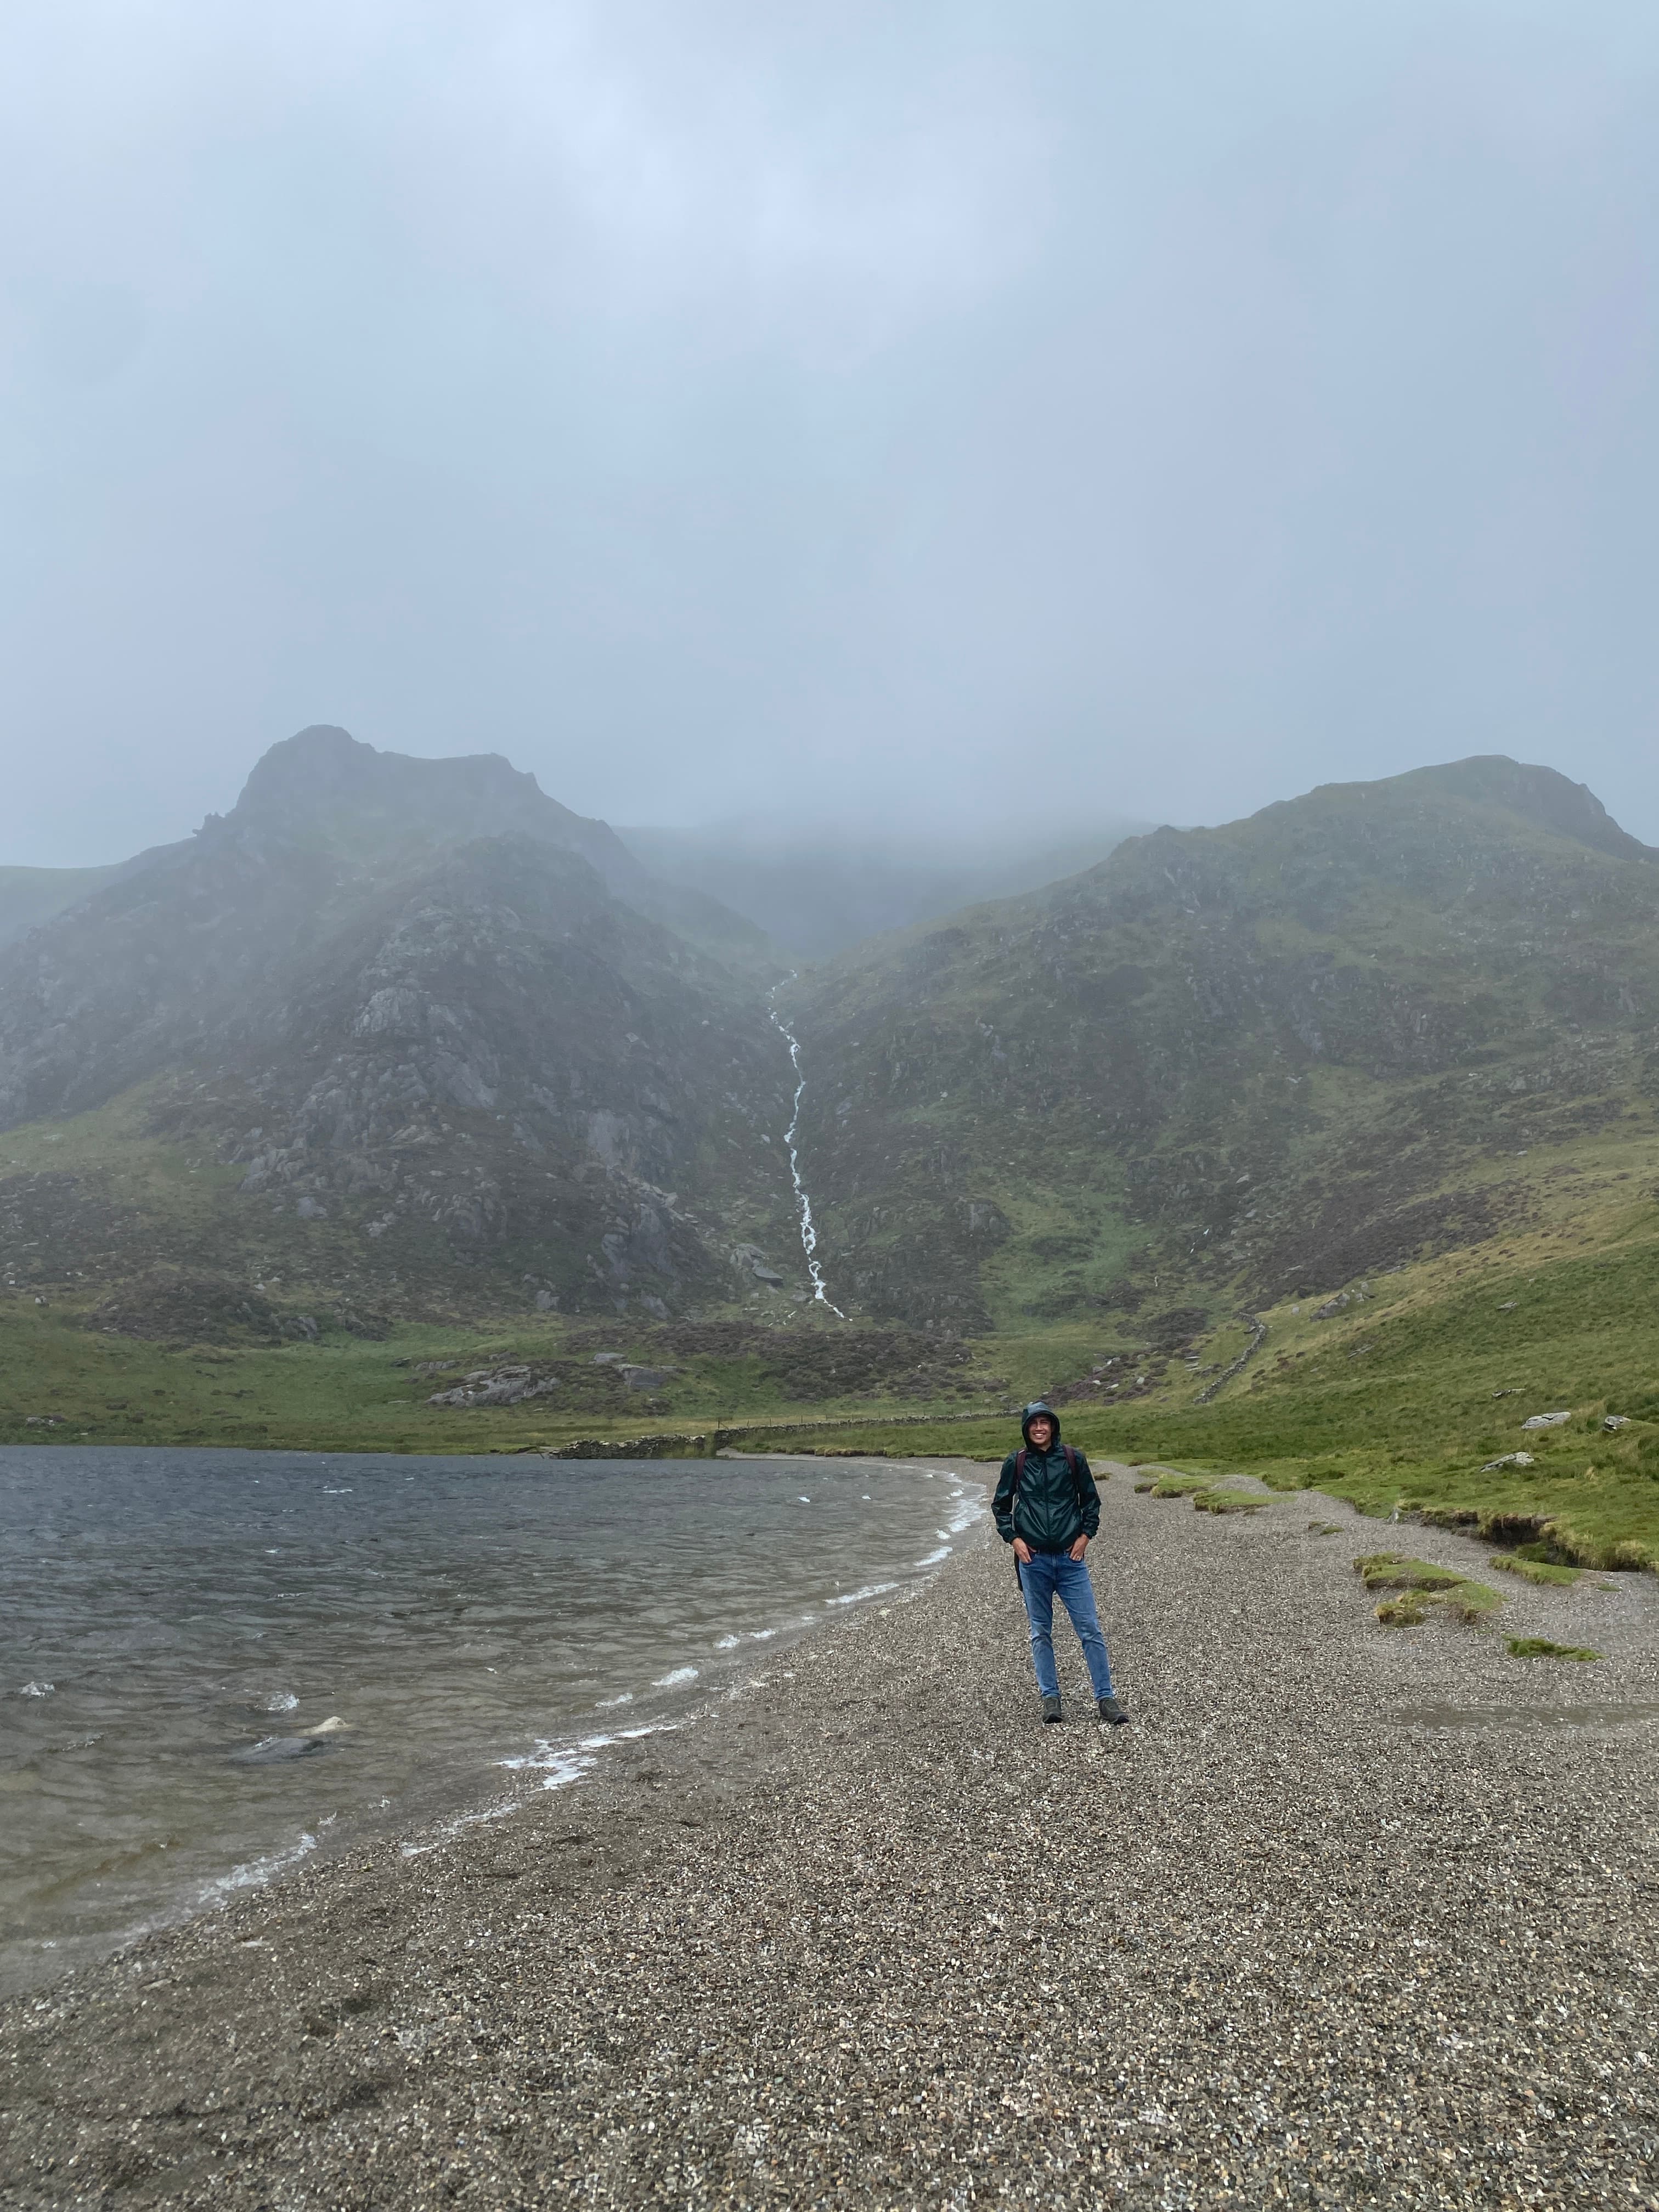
(451, 1034)
(497, 1386)
(1269, 1059)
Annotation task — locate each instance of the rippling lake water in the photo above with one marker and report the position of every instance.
(173, 1623)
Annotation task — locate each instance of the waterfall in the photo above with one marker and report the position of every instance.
(808, 1235)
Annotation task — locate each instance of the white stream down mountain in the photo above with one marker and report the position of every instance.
(808, 1235)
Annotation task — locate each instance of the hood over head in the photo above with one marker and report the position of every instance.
(1029, 1414)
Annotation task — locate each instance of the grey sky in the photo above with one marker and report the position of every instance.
(1070, 407)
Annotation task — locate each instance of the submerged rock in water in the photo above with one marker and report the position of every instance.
(273, 1750)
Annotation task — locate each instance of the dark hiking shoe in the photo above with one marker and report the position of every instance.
(1111, 1713)
(1051, 1709)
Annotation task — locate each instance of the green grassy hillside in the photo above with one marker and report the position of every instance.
(1325, 1144)
(1398, 1398)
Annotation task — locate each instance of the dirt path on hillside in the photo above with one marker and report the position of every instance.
(1347, 1916)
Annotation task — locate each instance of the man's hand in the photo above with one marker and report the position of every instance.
(1022, 1550)
(1079, 1547)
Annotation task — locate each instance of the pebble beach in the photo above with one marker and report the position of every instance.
(1348, 1916)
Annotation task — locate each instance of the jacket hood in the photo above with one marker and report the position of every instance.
(1029, 1414)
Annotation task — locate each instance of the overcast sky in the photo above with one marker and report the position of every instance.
(955, 410)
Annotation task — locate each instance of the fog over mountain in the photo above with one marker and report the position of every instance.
(923, 420)
(818, 888)
(398, 1039)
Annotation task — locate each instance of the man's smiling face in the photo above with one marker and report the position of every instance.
(1042, 1432)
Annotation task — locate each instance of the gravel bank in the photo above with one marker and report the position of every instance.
(867, 1935)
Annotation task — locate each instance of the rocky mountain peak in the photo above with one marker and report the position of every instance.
(1541, 796)
(324, 786)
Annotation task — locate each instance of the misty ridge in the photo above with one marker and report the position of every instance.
(813, 890)
(437, 1044)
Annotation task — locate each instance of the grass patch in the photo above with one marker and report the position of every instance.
(1540, 1647)
(1533, 1570)
(1390, 1570)
(1420, 1585)
(1229, 1501)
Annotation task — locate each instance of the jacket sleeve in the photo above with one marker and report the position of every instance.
(1088, 1498)
(1002, 1504)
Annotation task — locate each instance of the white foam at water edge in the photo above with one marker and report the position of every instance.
(858, 1597)
(254, 1874)
(728, 1643)
(446, 1834)
(628, 1735)
(674, 1676)
(626, 1698)
(933, 1558)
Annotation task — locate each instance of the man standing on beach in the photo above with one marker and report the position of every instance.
(1048, 1507)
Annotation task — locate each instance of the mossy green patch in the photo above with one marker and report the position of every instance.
(1540, 1647)
(1420, 1584)
(1390, 1570)
(1229, 1501)
(1532, 1571)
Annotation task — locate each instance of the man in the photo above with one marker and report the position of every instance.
(1048, 1507)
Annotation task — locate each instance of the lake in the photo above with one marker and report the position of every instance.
(175, 1625)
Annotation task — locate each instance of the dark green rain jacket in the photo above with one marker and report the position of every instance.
(1053, 1508)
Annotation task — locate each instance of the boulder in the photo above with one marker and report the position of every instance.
(496, 1386)
(1545, 1420)
(1510, 1459)
(646, 1378)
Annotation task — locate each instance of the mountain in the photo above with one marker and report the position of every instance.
(430, 1042)
(29, 896)
(1230, 1065)
(399, 1039)
(819, 891)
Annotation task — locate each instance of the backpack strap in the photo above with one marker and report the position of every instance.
(1070, 1468)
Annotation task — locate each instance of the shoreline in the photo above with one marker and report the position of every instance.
(865, 1932)
(488, 1773)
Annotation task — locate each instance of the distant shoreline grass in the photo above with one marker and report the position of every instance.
(1410, 1399)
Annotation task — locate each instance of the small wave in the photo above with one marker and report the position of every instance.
(933, 1558)
(254, 1874)
(36, 1689)
(803, 1501)
(626, 1698)
(728, 1643)
(858, 1597)
(674, 1677)
(327, 1492)
(628, 1735)
(558, 1765)
(280, 1701)
(500, 1811)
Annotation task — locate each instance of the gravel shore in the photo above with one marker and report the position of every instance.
(866, 1933)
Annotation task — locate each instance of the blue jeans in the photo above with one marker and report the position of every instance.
(1054, 1575)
